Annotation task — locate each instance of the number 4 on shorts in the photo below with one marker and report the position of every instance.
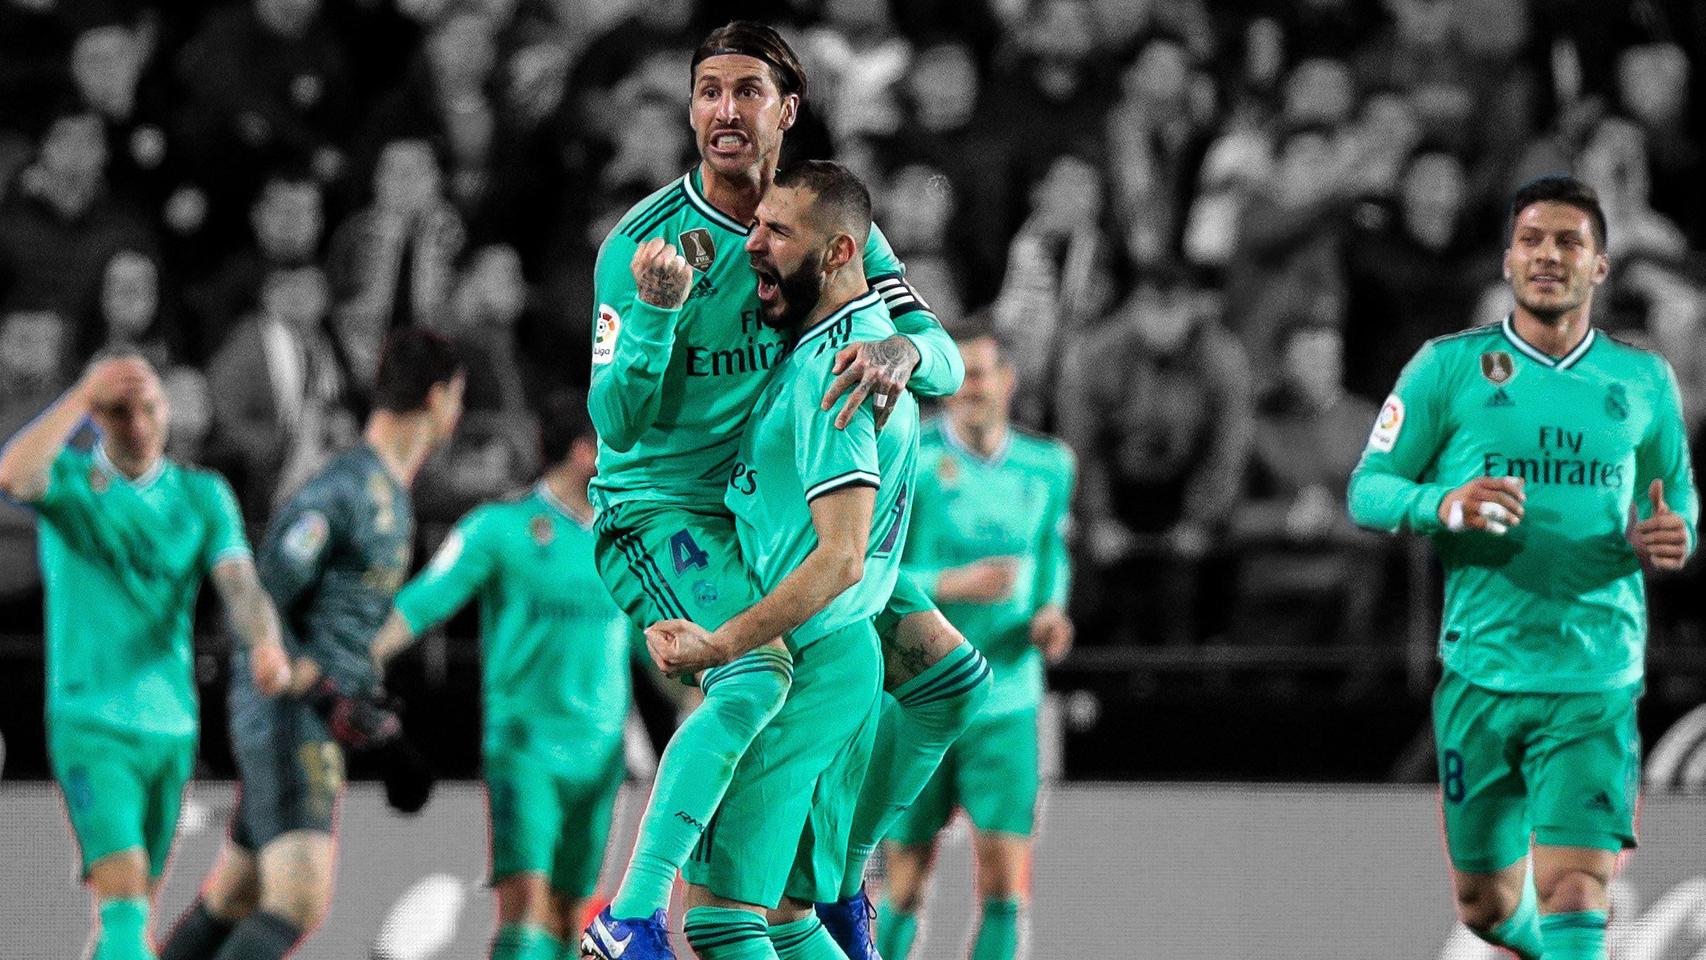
(686, 553)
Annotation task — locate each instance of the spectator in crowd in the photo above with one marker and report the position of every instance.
(918, 208)
(35, 365)
(393, 263)
(1653, 87)
(286, 227)
(858, 61)
(189, 399)
(60, 227)
(1413, 271)
(1157, 405)
(130, 308)
(1157, 135)
(276, 389)
(1051, 84)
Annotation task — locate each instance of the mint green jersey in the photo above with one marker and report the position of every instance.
(553, 644)
(1015, 504)
(1556, 605)
(122, 562)
(671, 389)
(792, 454)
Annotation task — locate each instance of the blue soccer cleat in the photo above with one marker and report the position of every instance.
(611, 939)
(849, 924)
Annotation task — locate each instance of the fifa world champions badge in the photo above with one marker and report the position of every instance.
(1497, 367)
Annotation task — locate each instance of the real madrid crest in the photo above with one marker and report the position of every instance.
(1616, 402)
(541, 530)
(697, 248)
(1497, 366)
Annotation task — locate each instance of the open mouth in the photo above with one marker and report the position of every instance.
(769, 285)
(728, 142)
(1546, 280)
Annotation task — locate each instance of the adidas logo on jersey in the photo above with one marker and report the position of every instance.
(703, 288)
(1500, 399)
(1600, 801)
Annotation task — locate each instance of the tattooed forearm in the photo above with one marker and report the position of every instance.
(895, 357)
(661, 286)
(251, 610)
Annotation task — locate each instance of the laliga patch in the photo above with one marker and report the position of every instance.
(306, 537)
(697, 248)
(1387, 425)
(448, 553)
(1497, 367)
(604, 334)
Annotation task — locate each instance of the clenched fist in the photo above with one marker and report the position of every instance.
(661, 275)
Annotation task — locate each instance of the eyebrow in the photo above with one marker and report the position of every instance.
(744, 78)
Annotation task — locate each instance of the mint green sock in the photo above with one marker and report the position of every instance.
(718, 933)
(918, 725)
(525, 941)
(124, 930)
(804, 940)
(895, 931)
(1574, 936)
(1521, 930)
(694, 773)
(998, 933)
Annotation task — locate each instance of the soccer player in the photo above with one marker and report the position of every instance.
(1549, 464)
(332, 560)
(678, 364)
(555, 686)
(821, 516)
(126, 537)
(989, 541)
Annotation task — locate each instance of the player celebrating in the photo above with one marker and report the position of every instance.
(332, 559)
(989, 540)
(126, 537)
(555, 688)
(821, 515)
(1544, 458)
(677, 366)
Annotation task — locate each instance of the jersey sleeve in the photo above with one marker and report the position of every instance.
(300, 543)
(940, 369)
(1663, 455)
(1054, 560)
(920, 561)
(1386, 492)
(225, 535)
(631, 346)
(828, 459)
(66, 503)
(462, 565)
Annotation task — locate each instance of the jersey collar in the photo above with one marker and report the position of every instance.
(993, 460)
(543, 489)
(146, 480)
(846, 310)
(1538, 355)
(690, 184)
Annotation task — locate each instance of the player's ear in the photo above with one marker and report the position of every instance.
(1507, 264)
(1601, 268)
(790, 110)
(842, 250)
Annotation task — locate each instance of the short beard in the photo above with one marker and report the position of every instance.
(1549, 314)
(800, 292)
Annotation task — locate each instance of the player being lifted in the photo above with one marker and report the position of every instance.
(126, 537)
(555, 686)
(1549, 463)
(677, 366)
(988, 541)
(332, 559)
(821, 516)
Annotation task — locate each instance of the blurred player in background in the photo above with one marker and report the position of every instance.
(332, 560)
(126, 537)
(821, 513)
(1549, 463)
(677, 366)
(988, 542)
(555, 688)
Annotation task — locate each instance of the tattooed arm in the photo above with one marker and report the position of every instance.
(254, 620)
(639, 304)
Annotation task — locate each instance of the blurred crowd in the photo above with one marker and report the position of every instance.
(1213, 232)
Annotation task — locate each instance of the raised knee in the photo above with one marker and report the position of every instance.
(304, 905)
(1571, 891)
(1481, 908)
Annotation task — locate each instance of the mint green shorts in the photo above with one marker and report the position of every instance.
(991, 772)
(1564, 768)
(122, 789)
(551, 821)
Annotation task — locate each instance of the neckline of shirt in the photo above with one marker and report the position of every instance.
(1538, 355)
(142, 482)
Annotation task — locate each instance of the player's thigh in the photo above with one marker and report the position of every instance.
(105, 790)
(521, 796)
(997, 776)
(291, 771)
(1479, 738)
(583, 829)
(665, 563)
(1584, 770)
(748, 850)
(917, 825)
(296, 870)
(233, 888)
(172, 762)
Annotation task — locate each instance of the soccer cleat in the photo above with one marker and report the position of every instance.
(608, 938)
(849, 924)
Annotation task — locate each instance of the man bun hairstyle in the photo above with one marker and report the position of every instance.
(838, 194)
(1559, 188)
(760, 41)
(413, 362)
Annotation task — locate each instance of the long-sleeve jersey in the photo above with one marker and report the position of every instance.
(1013, 504)
(1557, 604)
(672, 389)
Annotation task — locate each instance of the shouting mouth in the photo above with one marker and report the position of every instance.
(728, 143)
